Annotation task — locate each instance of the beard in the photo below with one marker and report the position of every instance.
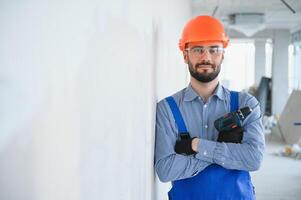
(205, 76)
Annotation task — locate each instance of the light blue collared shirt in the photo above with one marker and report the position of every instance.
(199, 118)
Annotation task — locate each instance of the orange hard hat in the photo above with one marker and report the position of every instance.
(203, 29)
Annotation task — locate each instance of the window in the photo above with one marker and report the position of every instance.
(268, 58)
(238, 72)
(294, 71)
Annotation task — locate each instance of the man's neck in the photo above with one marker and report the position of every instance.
(205, 90)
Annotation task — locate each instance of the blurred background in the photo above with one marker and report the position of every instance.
(80, 80)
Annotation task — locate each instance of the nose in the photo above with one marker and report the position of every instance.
(205, 57)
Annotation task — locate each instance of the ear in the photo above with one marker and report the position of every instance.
(185, 56)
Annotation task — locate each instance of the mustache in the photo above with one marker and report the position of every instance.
(204, 63)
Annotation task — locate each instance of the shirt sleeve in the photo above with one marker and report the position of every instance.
(169, 165)
(245, 156)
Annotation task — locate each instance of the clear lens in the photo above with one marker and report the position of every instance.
(197, 51)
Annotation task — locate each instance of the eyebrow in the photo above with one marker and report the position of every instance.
(213, 46)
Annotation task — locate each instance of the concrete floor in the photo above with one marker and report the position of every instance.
(279, 178)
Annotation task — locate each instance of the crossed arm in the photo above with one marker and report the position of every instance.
(171, 166)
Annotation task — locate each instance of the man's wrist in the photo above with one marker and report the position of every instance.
(194, 144)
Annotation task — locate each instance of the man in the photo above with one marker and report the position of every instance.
(202, 162)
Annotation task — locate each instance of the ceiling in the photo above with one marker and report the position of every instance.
(276, 15)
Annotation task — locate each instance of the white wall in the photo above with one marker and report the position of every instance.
(79, 82)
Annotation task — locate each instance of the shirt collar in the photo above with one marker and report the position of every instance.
(190, 94)
(219, 92)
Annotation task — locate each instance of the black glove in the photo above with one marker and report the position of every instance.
(184, 147)
(233, 136)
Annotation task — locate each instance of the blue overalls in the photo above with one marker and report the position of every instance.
(214, 182)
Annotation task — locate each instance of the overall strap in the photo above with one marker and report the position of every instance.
(234, 101)
(177, 115)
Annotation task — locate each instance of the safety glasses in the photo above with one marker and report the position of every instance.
(200, 50)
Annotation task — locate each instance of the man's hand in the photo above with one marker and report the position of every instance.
(187, 146)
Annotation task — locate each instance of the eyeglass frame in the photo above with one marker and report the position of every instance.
(220, 50)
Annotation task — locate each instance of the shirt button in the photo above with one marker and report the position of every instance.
(205, 153)
(223, 163)
(206, 126)
(205, 106)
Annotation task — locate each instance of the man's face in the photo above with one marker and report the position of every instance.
(204, 60)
